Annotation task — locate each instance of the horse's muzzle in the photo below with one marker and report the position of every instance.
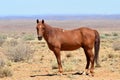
(39, 38)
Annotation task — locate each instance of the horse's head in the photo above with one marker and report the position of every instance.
(40, 29)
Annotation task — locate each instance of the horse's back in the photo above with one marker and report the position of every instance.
(74, 39)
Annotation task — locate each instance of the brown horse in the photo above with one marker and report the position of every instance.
(68, 40)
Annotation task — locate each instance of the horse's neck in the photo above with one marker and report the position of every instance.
(48, 31)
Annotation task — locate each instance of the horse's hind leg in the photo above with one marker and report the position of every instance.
(88, 62)
(91, 57)
(58, 57)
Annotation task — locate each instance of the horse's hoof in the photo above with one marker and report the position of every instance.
(87, 74)
(92, 73)
(84, 73)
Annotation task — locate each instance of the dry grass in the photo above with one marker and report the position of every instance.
(17, 50)
(2, 39)
(5, 71)
(116, 46)
(28, 37)
(44, 61)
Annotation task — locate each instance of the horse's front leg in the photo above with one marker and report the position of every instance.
(58, 57)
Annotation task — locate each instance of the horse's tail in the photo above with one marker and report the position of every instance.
(96, 48)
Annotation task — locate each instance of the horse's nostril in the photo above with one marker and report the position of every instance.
(39, 38)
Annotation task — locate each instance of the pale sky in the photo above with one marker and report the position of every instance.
(58, 7)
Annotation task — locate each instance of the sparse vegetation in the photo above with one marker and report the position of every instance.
(69, 55)
(111, 56)
(69, 66)
(107, 34)
(2, 39)
(2, 62)
(102, 36)
(5, 71)
(28, 37)
(18, 47)
(115, 34)
(116, 46)
(18, 51)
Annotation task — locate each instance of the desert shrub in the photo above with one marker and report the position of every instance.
(110, 55)
(115, 34)
(107, 34)
(103, 36)
(2, 39)
(16, 37)
(19, 51)
(69, 55)
(2, 63)
(11, 43)
(27, 37)
(5, 71)
(116, 46)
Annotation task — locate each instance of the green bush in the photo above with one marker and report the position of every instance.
(103, 36)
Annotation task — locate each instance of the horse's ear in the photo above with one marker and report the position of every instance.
(42, 20)
(37, 20)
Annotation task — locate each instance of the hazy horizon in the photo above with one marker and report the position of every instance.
(62, 7)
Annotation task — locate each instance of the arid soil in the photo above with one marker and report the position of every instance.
(42, 66)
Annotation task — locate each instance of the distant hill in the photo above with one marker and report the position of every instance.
(28, 23)
(64, 17)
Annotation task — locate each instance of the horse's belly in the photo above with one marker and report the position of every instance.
(69, 47)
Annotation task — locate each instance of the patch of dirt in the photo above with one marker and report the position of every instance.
(40, 66)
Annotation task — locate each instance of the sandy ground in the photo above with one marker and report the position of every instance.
(40, 67)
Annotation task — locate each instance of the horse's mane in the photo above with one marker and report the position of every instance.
(50, 28)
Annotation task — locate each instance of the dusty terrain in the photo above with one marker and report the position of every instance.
(43, 64)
